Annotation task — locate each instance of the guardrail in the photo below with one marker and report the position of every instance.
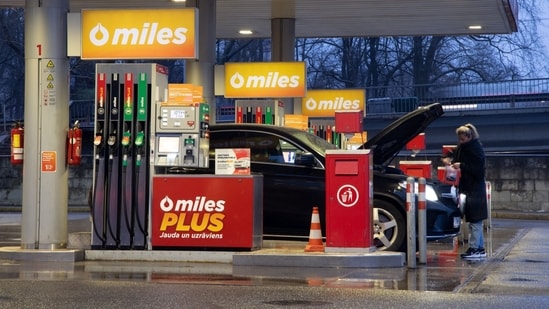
(518, 94)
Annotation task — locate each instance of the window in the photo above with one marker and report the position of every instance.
(264, 147)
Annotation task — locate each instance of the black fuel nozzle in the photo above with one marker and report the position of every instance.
(112, 139)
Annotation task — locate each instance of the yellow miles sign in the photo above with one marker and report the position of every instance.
(324, 103)
(139, 34)
(265, 80)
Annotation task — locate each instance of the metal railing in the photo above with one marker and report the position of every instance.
(527, 93)
(83, 111)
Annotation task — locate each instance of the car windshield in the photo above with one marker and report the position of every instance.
(315, 142)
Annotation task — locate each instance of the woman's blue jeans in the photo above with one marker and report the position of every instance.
(476, 239)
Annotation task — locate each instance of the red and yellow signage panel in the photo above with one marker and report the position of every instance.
(324, 103)
(185, 94)
(265, 80)
(49, 161)
(206, 211)
(139, 34)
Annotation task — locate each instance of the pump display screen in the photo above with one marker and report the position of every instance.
(168, 144)
(178, 114)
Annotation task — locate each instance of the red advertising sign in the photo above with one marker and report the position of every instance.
(206, 211)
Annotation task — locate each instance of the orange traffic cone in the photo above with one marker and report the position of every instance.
(315, 236)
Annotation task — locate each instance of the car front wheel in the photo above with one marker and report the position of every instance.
(389, 227)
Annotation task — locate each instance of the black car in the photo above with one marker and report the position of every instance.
(293, 166)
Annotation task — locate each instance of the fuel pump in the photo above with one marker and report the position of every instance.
(74, 151)
(140, 211)
(17, 138)
(128, 153)
(125, 96)
(99, 202)
(114, 164)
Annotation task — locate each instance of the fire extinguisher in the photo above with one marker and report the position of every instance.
(17, 143)
(74, 151)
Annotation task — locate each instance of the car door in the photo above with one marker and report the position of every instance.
(290, 189)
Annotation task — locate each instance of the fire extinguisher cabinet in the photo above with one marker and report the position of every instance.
(349, 201)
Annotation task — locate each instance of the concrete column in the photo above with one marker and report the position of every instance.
(201, 71)
(45, 171)
(283, 39)
(283, 45)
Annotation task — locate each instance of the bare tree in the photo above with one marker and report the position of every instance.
(243, 50)
(397, 61)
(12, 64)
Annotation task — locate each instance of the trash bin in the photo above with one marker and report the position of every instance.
(349, 201)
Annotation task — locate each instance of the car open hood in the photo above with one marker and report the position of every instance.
(387, 143)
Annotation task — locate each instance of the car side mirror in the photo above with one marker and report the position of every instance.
(304, 158)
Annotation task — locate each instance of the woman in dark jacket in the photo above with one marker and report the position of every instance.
(469, 159)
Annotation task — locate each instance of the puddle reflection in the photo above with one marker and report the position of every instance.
(444, 271)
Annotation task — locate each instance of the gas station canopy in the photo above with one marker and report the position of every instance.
(341, 18)
(121, 146)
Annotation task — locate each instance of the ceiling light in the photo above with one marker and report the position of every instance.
(245, 32)
(475, 27)
(179, 0)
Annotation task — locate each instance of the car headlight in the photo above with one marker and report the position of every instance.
(430, 193)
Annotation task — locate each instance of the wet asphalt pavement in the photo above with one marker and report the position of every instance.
(514, 275)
